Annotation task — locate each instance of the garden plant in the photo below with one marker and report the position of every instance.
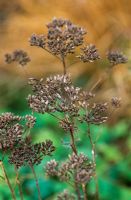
(69, 104)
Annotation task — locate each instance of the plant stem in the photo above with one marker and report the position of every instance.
(84, 191)
(77, 190)
(64, 65)
(36, 180)
(7, 181)
(73, 146)
(94, 163)
(18, 183)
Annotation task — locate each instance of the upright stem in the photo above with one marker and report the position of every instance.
(18, 183)
(73, 146)
(84, 191)
(36, 180)
(64, 64)
(77, 189)
(94, 163)
(74, 149)
(7, 180)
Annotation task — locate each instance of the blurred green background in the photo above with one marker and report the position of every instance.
(108, 25)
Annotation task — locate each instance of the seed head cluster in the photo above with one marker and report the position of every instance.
(77, 166)
(61, 39)
(65, 195)
(19, 56)
(30, 154)
(89, 53)
(116, 57)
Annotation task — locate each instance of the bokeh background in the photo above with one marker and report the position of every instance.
(108, 24)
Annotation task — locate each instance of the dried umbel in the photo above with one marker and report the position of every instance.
(63, 36)
(77, 166)
(56, 94)
(65, 195)
(61, 39)
(116, 57)
(97, 114)
(38, 40)
(30, 154)
(12, 129)
(19, 56)
(89, 53)
(116, 102)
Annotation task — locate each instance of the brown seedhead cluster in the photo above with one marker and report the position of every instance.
(70, 105)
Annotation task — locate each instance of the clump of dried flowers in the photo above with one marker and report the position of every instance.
(69, 104)
(18, 147)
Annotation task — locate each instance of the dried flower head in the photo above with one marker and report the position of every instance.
(30, 154)
(65, 195)
(116, 102)
(89, 53)
(77, 166)
(56, 94)
(63, 36)
(38, 40)
(30, 121)
(19, 56)
(51, 168)
(116, 57)
(10, 131)
(97, 114)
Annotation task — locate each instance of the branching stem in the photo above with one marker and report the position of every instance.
(7, 181)
(94, 162)
(18, 183)
(84, 191)
(36, 180)
(64, 64)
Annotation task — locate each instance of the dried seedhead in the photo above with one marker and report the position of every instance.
(61, 39)
(89, 53)
(116, 57)
(65, 195)
(19, 56)
(12, 128)
(116, 102)
(77, 166)
(30, 154)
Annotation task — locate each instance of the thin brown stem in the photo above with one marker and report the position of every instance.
(73, 146)
(7, 181)
(36, 180)
(77, 189)
(18, 183)
(94, 163)
(52, 54)
(84, 191)
(64, 64)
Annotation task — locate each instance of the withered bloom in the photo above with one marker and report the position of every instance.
(89, 53)
(30, 154)
(97, 114)
(12, 129)
(61, 39)
(116, 102)
(56, 94)
(19, 56)
(77, 166)
(38, 40)
(116, 57)
(63, 36)
(65, 195)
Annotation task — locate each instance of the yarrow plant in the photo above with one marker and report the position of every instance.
(70, 105)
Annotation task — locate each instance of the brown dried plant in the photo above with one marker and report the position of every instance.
(69, 104)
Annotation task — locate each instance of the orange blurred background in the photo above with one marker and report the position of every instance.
(108, 26)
